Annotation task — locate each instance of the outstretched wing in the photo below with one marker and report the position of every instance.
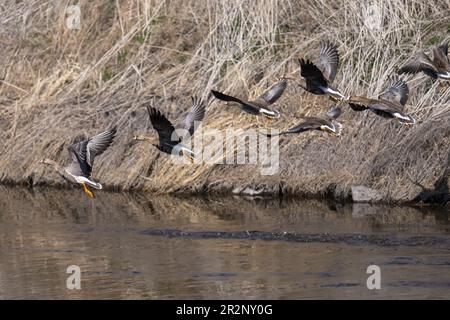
(98, 144)
(328, 61)
(440, 57)
(273, 93)
(310, 123)
(78, 167)
(380, 106)
(420, 62)
(444, 48)
(312, 74)
(163, 127)
(245, 105)
(334, 112)
(359, 103)
(194, 116)
(397, 92)
(83, 153)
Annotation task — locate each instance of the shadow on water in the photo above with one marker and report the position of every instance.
(143, 246)
(216, 213)
(440, 194)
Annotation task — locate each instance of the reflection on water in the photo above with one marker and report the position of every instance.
(43, 232)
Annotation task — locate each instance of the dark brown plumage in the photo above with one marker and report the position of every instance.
(439, 67)
(195, 116)
(169, 139)
(390, 104)
(260, 105)
(82, 155)
(325, 123)
(320, 76)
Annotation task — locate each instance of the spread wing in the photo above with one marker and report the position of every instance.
(420, 62)
(163, 127)
(78, 167)
(98, 144)
(273, 93)
(381, 106)
(312, 74)
(194, 116)
(440, 57)
(83, 153)
(334, 113)
(245, 105)
(360, 103)
(444, 48)
(397, 92)
(310, 123)
(328, 61)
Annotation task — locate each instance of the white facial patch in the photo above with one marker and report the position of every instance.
(81, 179)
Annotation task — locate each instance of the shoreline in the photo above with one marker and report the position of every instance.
(226, 193)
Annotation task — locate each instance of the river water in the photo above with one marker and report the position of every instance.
(134, 246)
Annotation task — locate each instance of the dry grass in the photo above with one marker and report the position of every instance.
(57, 85)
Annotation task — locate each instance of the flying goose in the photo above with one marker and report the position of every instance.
(260, 105)
(390, 104)
(83, 154)
(439, 67)
(320, 76)
(169, 140)
(325, 123)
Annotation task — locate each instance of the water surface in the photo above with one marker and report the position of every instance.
(131, 246)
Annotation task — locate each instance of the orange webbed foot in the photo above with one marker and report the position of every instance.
(87, 191)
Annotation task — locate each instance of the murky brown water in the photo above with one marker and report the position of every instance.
(312, 249)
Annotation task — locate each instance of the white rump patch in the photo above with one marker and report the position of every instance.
(90, 183)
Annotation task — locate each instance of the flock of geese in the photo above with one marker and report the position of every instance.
(318, 79)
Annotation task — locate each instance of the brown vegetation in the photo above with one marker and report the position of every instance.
(57, 85)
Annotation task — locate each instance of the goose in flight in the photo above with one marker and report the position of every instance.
(389, 104)
(82, 155)
(438, 68)
(260, 105)
(169, 140)
(324, 123)
(320, 76)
